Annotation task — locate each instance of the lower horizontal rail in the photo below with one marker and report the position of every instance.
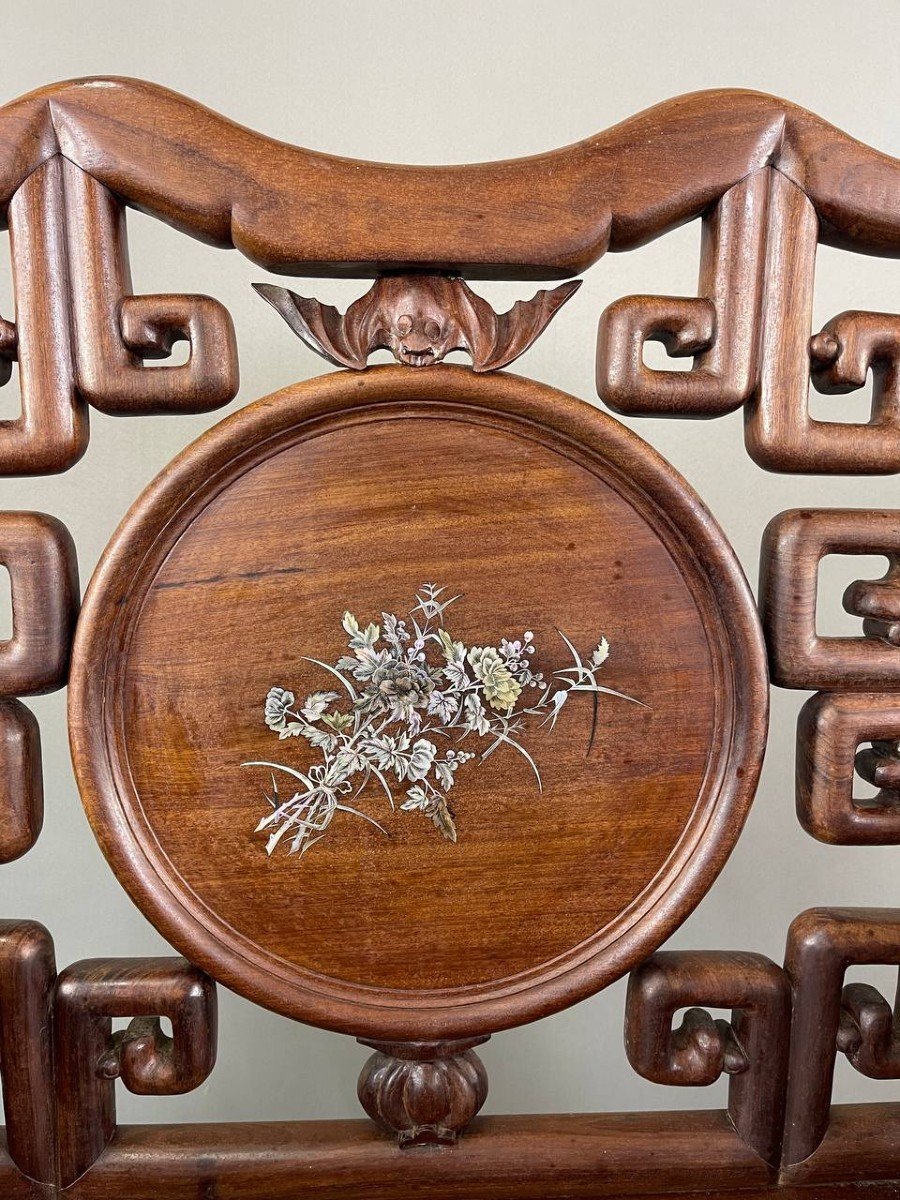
(505, 1158)
(575, 1156)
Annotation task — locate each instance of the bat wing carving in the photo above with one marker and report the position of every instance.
(496, 343)
(420, 319)
(319, 326)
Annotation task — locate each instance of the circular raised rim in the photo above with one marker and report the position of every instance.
(235, 445)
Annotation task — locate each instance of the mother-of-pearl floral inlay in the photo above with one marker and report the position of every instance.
(414, 706)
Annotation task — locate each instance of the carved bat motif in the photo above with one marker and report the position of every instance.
(420, 319)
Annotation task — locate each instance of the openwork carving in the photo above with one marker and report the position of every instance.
(822, 944)
(90, 1057)
(749, 333)
(420, 319)
(751, 1048)
(466, 470)
(115, 329)
(793, 544)
(720, 328)
(831, 728)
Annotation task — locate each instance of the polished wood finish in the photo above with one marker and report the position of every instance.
(21, 780)
(877, 601)
(431, 455)
(505, 1158)
(230, 186)
(27, 975)
(114, 329)
(751, 1048)
(822, 944)
(794, 542)
(720, 328)
(749, 332)
(39, 554)
(90, 1057)
(425, 1093)
(327, 495)
(831, 728)
(694, 1155)
(52, 431)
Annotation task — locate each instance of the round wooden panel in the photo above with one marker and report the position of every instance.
(351, 493)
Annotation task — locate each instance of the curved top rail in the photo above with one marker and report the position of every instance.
(298, 211)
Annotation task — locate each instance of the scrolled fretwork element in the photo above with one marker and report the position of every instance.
(781, 433)
(877, 601)
(21, 780)
(89, 1056)
(51, 432)
(831, 728)
(39, 554)
(420, 319)
(822, 943)
(27, 975)
(720, 327)
(423, 1092)
(751, 1048)
(749, 331)
(793, 545)
(116, 330)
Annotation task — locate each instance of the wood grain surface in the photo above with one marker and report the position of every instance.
(301, 212)
(347, 493)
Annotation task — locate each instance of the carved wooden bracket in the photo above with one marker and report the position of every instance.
(822, 943)
(793, 545)
(420, 319)
(749, 333)
(751, 1048)
(40, 556)
(831, 728)
(423, 1092)
(90, 1057)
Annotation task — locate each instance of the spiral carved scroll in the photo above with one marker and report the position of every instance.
(90, 1056)
(827, 1017)
(751, 1048)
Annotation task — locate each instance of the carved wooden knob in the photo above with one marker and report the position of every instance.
(423, 1092)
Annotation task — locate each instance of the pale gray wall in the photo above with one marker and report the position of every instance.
(451, 82)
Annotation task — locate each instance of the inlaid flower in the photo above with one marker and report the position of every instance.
(412, 696)
(501, 688)
(278, 703)
(404, 684)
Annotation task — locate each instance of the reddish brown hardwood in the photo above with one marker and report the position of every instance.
(327, 496)
(822, 943)
(27, 975)
(52, 431)
(423, 1093)
(114, 329)
(793, 544)
(90, 1057)
(751, 1048)
(21, 780)
(831, 728)
(39, 554)
(720, 328)
(420, 319)
(227, 185)
(462, 476)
